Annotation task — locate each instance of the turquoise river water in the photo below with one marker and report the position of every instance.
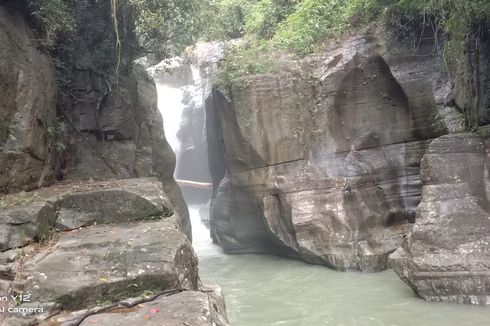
(263, 290)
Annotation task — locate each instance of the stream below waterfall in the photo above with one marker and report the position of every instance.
(262, 290)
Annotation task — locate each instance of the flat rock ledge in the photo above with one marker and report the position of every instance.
(447, 255)
(192, 308)
(82, 253)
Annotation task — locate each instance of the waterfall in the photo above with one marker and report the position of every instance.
(171, 107)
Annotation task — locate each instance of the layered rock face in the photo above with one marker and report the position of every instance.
(119, 130)
(27, 107)
(121, 242)
(321, 161)
(446, 257)
(80, 250)
(112, 128)
(472, 85)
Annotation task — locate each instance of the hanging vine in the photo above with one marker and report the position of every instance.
(118, 40)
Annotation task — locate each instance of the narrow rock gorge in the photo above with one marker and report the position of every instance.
(303, 138)
(338, 160)
(322, 162)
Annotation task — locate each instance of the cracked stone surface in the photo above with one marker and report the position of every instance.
(32, 216)
(447, 255)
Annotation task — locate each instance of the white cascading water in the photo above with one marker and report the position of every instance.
(171, 107)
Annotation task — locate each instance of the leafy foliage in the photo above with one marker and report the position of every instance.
(163, 27)
(264, 16)
(298, 25)
(251, 59)
(53, 17)
(166, 27)
(226, 19)
(230, 19)
(310, 22)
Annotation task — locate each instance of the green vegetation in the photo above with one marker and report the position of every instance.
(252, 59)
(163, 27)
(225, 19)
(231, 19)
(297, 26)
(311, 21)
(166, 27)
(53, 17)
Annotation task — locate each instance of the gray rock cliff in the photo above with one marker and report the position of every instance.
(321, 160)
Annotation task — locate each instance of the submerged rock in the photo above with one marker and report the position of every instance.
(447, 255)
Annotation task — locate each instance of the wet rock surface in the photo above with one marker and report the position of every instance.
(321, 161)
(447, 257)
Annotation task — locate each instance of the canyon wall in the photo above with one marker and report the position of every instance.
(103, 224)
(28, 107)
(321, 160)
(83, 120)
(446, 256)
(368, 150)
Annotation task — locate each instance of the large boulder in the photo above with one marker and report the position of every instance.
(28, 107)
(110, 263)
(132, 142)
(447, 256)
(321, 160)
(27, 217)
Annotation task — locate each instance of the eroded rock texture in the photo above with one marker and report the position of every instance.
(472, 81)
(80, 244)
(321, 161)
(87, 245)
(27, 107)
(447, 257)
(107, 125)
(191, 308)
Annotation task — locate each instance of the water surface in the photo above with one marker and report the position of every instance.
(265, 290)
